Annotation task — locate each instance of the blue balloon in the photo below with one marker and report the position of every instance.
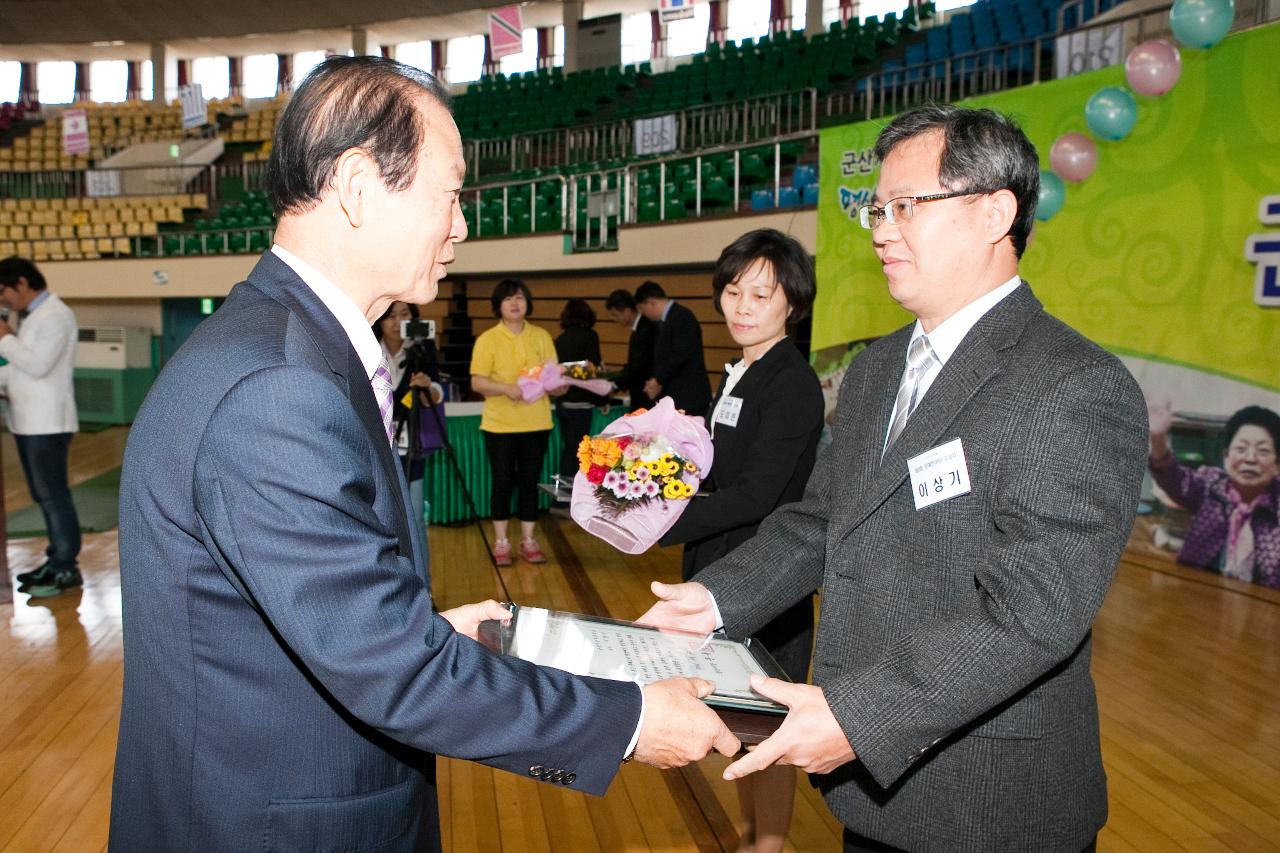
(1111, 113)
(1201, 23)
(1053, 195)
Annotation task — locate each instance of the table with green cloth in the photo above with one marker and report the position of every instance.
(444, 494)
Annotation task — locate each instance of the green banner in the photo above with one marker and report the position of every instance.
(1148, 257)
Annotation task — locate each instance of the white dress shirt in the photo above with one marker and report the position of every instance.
(945, 339)
(39, 375)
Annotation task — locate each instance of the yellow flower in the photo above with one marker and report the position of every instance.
(691, 468)
(672, 490)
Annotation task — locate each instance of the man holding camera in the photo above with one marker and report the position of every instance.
(42, 414)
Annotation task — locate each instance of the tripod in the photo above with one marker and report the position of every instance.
(411, 420)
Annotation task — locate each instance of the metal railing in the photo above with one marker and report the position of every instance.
(110, 182)
(891, 90)
(707, 125)
(509, 189)
(631, 174)
(1079, 18)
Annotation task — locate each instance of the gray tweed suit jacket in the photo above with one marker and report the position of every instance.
(954, 641)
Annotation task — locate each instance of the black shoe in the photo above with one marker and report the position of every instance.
(62, 579)
(40, 574)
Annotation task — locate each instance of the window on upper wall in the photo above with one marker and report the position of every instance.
(689, 35)
(799, 16)
(108, 80)
(526, 59)
(260, 73)
(146, 84)
(213, 74)
(56, 82)
(557, 46)
(304, 62)
(465, 58)
(637, 38)
(10, 79)
(415, 53)
(748, 19)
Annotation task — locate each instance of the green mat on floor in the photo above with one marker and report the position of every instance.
(97, 504)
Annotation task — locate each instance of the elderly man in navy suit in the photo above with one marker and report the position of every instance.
(286, 679)
(964, 526)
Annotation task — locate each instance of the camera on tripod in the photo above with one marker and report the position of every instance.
(415, 334)
(418, 330)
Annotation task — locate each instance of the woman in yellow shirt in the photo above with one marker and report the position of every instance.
(515, 432)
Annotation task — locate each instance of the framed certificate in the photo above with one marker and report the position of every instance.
(623, 651)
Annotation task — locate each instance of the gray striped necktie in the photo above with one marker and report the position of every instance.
(919, 356)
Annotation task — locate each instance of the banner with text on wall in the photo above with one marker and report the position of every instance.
(1166, 255)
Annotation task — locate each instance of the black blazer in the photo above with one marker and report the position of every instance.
(761, 463)
(678, 362)
(579, 344)
(639, 365)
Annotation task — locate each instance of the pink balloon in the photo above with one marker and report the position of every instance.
(1153, 67)
(1073, 156)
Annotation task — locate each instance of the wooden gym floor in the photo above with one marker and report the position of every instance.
(1187, 666)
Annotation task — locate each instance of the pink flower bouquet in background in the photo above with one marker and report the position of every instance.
(638, 475)
(536, 381)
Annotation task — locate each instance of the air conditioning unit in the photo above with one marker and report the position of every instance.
(114, 347)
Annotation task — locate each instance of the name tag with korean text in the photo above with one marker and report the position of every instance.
(939, 474)
(727, 411)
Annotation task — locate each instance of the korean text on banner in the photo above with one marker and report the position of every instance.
(674, 10)
(505, 32)
(75, 132)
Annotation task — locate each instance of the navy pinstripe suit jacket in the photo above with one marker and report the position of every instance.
(286, 681)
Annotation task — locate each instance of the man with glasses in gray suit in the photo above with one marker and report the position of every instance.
(964, 526)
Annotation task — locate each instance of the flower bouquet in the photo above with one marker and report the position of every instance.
(636, 477)
(536, 381)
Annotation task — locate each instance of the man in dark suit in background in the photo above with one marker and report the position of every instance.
(286, 679)
(621, 305)
(679, 367)
(964, 526)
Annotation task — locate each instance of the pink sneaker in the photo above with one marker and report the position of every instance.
(530, 551)
(502, 553)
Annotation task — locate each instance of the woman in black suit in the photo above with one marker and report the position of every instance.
(765, 423)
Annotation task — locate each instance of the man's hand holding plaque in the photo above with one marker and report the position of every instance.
(678, 728)
(809, 738)
(681, 607)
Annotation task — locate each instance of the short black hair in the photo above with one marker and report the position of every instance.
(1259, 416)
(510, 287)
(577, 314)
(347, 102)
(983, 151)
(377, 324)
(792, 268)
(13, 268)
(650, 290)
(620, 300)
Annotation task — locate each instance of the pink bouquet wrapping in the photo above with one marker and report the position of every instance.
(537, 381)
(636, 477)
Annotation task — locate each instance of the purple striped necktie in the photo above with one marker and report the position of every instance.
(383, 391)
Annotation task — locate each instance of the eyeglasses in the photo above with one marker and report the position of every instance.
(899, 210)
